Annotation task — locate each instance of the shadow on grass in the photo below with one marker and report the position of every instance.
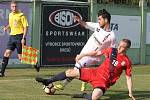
(65, 94)
(28, 76)
(121, 95)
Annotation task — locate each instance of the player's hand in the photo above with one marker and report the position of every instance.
(77, 18)
(78, 57)
(131, 96)
(4, 29)
(80, 21)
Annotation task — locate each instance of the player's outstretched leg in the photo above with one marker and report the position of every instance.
(58, 77)
(63, 84)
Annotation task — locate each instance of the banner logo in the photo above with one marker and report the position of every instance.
(64, 18)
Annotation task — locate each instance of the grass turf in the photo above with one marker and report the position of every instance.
(19, 84)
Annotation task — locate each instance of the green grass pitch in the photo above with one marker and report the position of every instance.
(19, 84)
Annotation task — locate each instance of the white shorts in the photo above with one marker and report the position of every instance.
(87, 61)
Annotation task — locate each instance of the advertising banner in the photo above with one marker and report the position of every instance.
(62, 38)
(148, 29)
(127, 27)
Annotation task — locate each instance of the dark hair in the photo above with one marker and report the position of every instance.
(128, 42)
(104, 14)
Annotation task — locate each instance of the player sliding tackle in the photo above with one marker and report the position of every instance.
(102, 38)
(104, 76)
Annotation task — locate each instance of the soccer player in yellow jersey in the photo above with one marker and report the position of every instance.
(18, 28)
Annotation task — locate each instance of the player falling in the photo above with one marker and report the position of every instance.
(102, 77)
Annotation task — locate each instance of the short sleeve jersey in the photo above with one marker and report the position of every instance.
(121, 63)
(100, 39)
(17, 22)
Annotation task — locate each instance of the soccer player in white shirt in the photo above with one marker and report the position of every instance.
(103, 37)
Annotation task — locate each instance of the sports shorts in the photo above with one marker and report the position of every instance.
(87, 61)
(91, 76)
(15, 42)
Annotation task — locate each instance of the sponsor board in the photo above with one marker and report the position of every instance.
(148, 29)
(127, 27)
(62, 38)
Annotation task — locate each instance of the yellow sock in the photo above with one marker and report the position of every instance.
(83, 86)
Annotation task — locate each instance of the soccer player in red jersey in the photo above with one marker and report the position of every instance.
(104, 76)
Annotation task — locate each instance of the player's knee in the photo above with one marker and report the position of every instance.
(71, 73)
(97, 93)
(7, 53)
(19, 56)
(68, 72)
(95, 97)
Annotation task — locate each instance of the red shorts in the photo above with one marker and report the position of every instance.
(91, 76)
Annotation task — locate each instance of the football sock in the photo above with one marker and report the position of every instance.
(37, 67)
(58, 77)
(83, 86)
(67, 80)
(4, 64)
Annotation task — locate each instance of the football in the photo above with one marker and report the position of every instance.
(50, 90)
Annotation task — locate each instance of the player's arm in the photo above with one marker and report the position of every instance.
(88, 25)
(24, 32)
(113, 42)
(25, 28)
(129, 78)
(81, 22)
(93, 53)
(129, 85)
(6, 28)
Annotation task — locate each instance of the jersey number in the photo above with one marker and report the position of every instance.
(115, 63)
